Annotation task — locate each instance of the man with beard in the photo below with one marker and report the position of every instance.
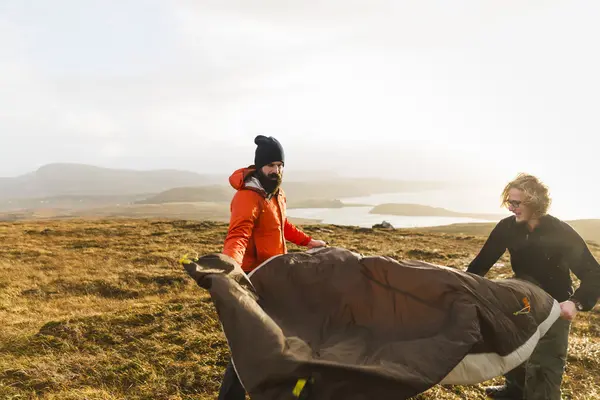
(543, 250)
(258, 227)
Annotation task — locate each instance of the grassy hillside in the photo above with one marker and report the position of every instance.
(200, 211)
(428, 211)
(68, 202)
(101, 310)
(589, 229)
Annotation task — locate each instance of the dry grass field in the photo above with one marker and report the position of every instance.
(100, 309)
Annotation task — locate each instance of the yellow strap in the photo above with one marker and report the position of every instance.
(185, 260)
(299, 387)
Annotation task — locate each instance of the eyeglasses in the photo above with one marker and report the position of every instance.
(514, 203)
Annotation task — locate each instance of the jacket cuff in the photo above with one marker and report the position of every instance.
(306, 241)
(582, 305)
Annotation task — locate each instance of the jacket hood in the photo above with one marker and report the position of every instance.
(241, 179)
(237, 179)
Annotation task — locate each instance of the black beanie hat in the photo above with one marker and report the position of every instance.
(268, 150)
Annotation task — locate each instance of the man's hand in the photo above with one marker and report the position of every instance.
(568, 310)
(316, 243)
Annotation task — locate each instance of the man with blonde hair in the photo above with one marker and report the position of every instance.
(543, 250)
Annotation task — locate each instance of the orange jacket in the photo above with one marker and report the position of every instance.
(258, 227)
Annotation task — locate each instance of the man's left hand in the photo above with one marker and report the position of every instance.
(316, 243)
(568, 310)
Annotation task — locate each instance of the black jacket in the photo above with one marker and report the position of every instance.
(546, 256)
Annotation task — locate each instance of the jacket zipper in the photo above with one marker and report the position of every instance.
(282, 222)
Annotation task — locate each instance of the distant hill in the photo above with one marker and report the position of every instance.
(299, 192)
(87, 180)
(292, 175)
(191, 211)
(66, 179)
(223, 194)
(427, 211)
(589, 229)
(212, 193)
(320, 203)
(68, 202)
(355, 187)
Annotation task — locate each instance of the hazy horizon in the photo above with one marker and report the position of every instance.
(403, 90)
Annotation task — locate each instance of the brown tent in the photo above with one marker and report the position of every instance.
(342, 326)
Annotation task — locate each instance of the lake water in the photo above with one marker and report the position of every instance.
(468, 201)
(359, 216)
(566, 205)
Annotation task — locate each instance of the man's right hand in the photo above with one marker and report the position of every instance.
(316, 243)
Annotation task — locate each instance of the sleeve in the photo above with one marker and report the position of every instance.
(295, 235)
(579, 259)
(491, 251)
(244, 213)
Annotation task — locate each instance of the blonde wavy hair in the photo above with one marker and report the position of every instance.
(537, 196)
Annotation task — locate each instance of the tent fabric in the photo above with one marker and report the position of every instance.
(333, 324)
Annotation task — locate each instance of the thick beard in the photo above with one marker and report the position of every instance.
(269, 182)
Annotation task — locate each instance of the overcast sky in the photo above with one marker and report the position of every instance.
(407, 89)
